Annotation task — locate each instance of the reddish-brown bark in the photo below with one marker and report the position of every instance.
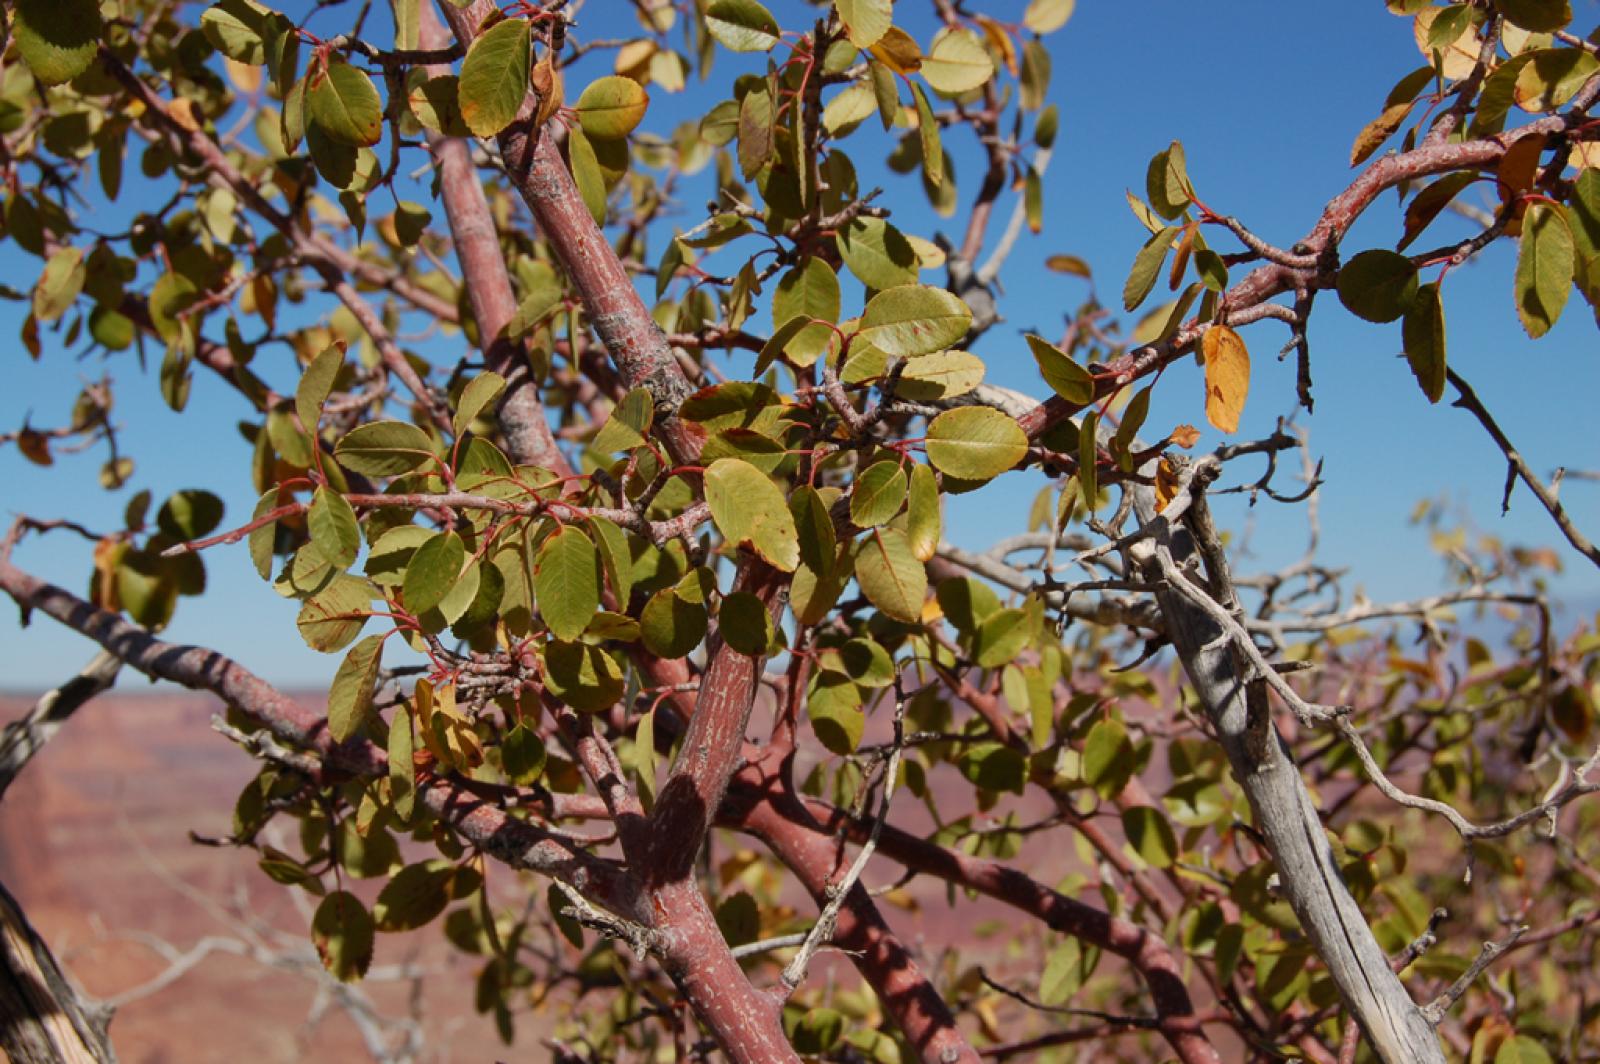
(883, 960)
(488, 287)
(1150, 956)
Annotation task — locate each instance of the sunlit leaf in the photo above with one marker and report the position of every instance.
(1227, 376)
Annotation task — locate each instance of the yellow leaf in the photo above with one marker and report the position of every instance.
(184, 112)
(1227, 376)
(245, 78)
(999, 39)
(633, 58)
(1584, 155)
(1166, 484)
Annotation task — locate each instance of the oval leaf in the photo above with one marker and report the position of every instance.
(750, 511)
(1378, 285)
(1227, 376)
(915, 319)
(567, 582)
(890, 575)
(742, 25)
(344, 104)
(494, 77)
(611, 107)
(975, 443)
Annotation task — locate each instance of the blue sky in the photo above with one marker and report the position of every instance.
(1266, 98)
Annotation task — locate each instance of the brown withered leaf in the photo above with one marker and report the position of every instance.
(546, 81)
(1185, 436)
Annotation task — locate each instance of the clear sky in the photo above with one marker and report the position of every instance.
(1266, 98)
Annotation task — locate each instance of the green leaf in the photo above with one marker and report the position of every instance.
(1151, 835)
(1545, 265)
(928, 135)
(1000, 638)
(586, 174)
(384, 448)
(1536, 16)
(1521, 1049)
(834, 708)
(848, 109)
(967, 602)
(494, 76)
(1166, 182)
(866, 662)
(479, 393)
(261, 537)
(1089, 458)
(111, 329)
(1108, 758)
(913, 319)
(744, 623)
(1064, 972)
(567, 582)
(739, 919)
(432, 572)
(885, 92)
(342, 931)
(615, 557)
(1066, 378)
(742, 25)
(350, 697)
(1147, 267)
(59, 284)
(941, 375)
(756, 135)
(1378, 285)
(877, 253)
(611, 107)
(890, 575)
(332, 618)
(749, 510)
(1423, 331)
(57, 38)
(923, 521)
(522, 755)
(189, 514)
(316, 384)
(406, 26)
(628, 424)
(239, 29)
(582, 676)
(670, 625)
(332, 523)
(879, 492)
(958, 63)
(344, 104)
(1549, 77)
(865, 20)
(809, 291)
(814, 527)
(402, 769)
(417, 893)
(975, 443)
(994, 767)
